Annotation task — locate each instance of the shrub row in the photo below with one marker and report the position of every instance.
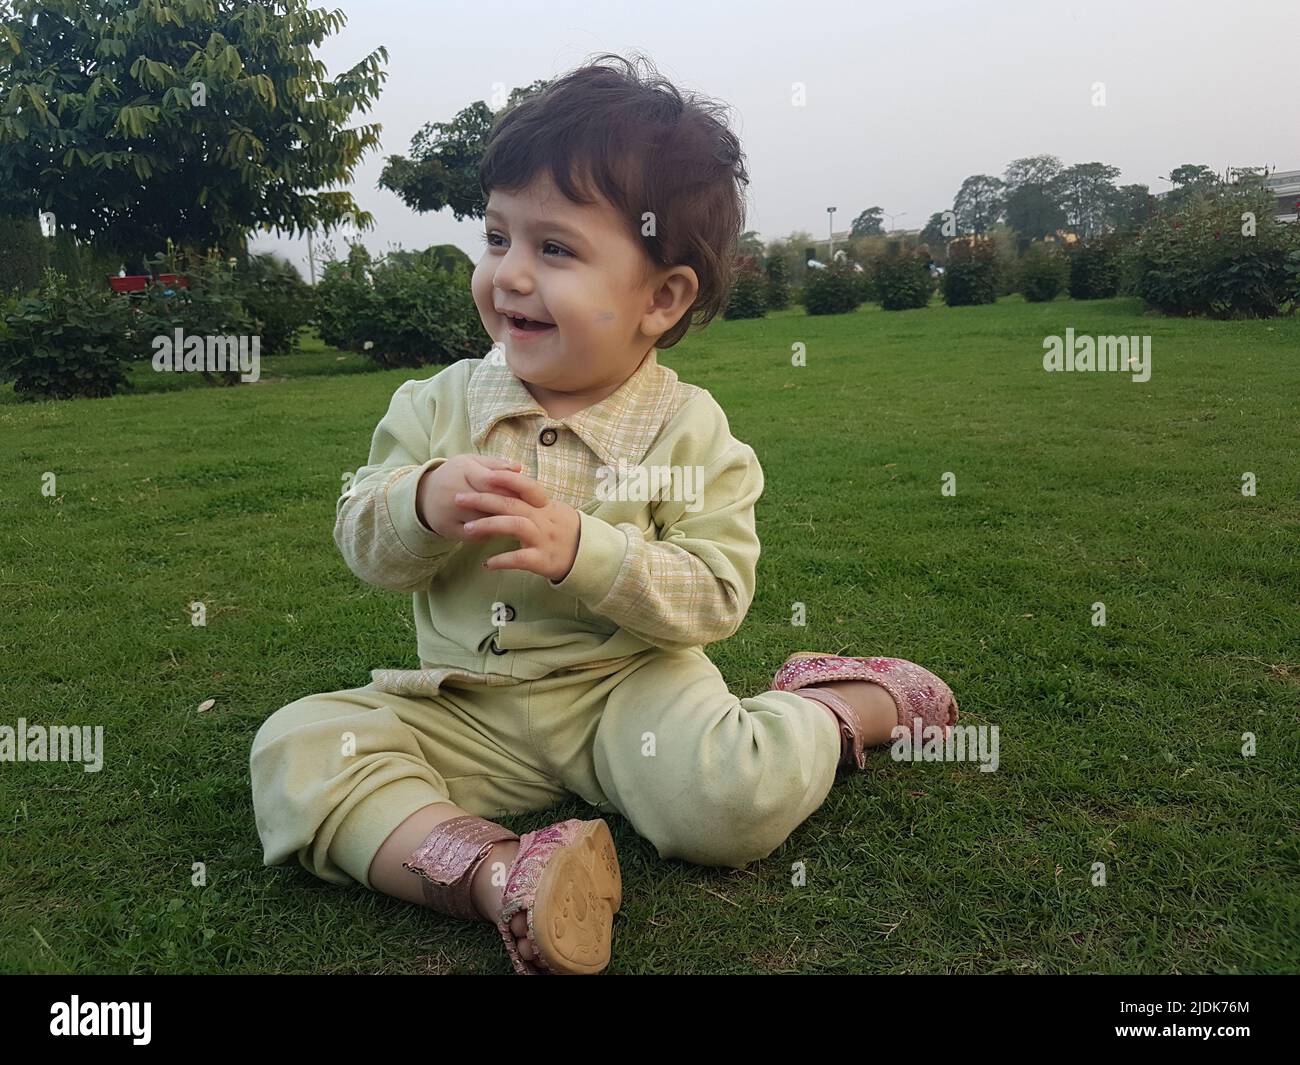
(1225, 256)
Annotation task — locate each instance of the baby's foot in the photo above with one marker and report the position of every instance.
(489, 891)
(876, 709)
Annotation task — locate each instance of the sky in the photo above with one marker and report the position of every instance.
(900, 101)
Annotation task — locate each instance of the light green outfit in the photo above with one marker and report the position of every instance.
(531, 689)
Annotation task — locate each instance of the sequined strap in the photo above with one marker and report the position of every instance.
(850, 724)
(447, 859)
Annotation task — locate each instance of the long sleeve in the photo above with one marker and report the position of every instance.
(692, 586)
(376, 527)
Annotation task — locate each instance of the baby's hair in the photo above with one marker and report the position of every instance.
(647, 148)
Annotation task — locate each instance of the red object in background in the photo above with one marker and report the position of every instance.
(139, 282)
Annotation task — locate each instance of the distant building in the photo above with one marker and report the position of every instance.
(1285, 187)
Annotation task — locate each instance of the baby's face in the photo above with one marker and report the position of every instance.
(579, 267)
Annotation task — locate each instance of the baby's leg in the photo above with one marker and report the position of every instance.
(351, 783)
(388, 875)
(876, 709)
(705, 775)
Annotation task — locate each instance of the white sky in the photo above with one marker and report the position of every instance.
(904, 99)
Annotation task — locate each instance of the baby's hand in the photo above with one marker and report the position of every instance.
(435, 498)
(548, 531)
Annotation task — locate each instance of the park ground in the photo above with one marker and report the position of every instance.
(1120, 744)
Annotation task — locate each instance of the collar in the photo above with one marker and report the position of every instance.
(622, 425)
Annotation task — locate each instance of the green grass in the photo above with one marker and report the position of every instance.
(1119, 744)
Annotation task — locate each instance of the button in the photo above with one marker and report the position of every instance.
(548, 436)
(495, 649)
(507, 612)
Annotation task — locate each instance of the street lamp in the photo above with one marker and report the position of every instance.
(891, 217)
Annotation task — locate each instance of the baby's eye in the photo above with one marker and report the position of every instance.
(489, 241)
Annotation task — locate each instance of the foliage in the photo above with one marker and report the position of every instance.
(400, 312)
(1095, 268)
(868, 223)
(832, 290)
(748, 297)
(778, 283)
(972, 273)
(979, 203)
(1222, 255)
(277, 299)
(442, 170)
(212, 304)
(1087, 195)
(24, 253)
(902, 280)
(195, 120)
(1043, 272)
(1032, 207)
(62, 341)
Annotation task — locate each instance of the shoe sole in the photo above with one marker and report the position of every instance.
(573, 912)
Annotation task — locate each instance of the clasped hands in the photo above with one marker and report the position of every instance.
(475, 497)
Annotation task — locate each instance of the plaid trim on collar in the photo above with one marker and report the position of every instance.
(622, 425)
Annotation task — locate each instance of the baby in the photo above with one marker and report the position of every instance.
(561, 617)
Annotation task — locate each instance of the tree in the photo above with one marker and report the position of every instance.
(1131, 209)
(1038, 170)
(1249, 177)
(191, 119)
(1190, 181)
(867, 224)
(750, 244)
(938, 230)
(1032, 209)
(1193, 174)
(979, 203)
(445, 156)
(1087, 193)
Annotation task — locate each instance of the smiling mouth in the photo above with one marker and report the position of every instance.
(528, 325)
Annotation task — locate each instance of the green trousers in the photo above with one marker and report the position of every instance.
(704, 775)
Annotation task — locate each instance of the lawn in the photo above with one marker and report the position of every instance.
(1119, 744)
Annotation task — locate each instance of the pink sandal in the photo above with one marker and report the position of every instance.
(565, 877)
(917, 692)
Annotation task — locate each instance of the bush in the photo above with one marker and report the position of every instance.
(971, 276)
(212, 305)
(63, 341)
(748, 297)
(277, 299)
(342, 297)
(901, 280)
(831, 290)
(1043, 272)
(865, 279)
(1198, 260)
(1007, 250)
(778, 283)
(1095, 268)
(404, 312)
